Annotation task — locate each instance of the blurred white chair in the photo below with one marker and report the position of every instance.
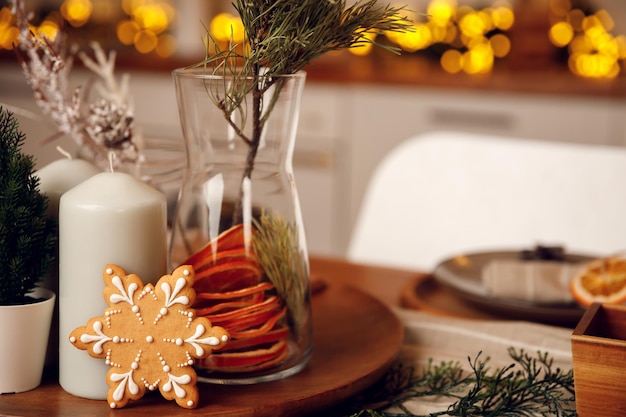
(441, 194)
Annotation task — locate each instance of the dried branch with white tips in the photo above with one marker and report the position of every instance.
(106, 124)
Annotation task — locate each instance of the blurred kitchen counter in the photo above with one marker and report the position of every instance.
(384, 68)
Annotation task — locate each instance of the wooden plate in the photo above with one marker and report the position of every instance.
(428, 294)
(356, 339)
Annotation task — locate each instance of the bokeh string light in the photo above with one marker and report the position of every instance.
(146, 27)
(464, 39)
(593, 52)
(471, 39)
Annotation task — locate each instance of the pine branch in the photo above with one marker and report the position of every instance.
(275, 243)
(281, 37)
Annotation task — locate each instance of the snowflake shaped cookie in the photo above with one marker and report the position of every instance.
(150, 337)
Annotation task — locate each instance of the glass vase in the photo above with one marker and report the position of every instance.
(238, 222)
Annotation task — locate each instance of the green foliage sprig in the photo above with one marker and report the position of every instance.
(276, 244)
(27, 236)
(530, 386)
(281, 37)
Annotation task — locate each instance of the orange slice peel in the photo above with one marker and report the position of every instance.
(233, 292)
(602, 281)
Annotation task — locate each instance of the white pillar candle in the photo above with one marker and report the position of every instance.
(55, 179)
(109, 218)
(60, 176)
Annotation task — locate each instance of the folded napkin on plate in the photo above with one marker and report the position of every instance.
(452, 339)
(529, 280)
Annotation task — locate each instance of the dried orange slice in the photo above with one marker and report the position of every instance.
(227, 277)
(233, 238)
(602, 280)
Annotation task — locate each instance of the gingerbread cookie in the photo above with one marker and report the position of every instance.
(150, 337)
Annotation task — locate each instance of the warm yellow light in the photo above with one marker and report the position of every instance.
(620, 41)
(452, 61)
(561, 34)
(485, 16)
(478, 60)
(361, 50)
(605, 19)
(394, 37)
(151, 17)
(451, 34)
(364, 48)
(594, 65)
(585, 65)
(613, 71)
(9, 34)
(48, 29)
(608, 47)
(480, 32)
(145, 41)
(168, 9)
(129, 6)
(592, 22)
(76, 12)
(438, 33)
(500, 44)
(472, 25)
(441, 12)
(601, 42)
(476, 41)
(225, 27)
(6, 17)
(580, 45)
(411, 16)
(9, 37)
(126, 31)
(593, 51)
(166, 46)
(503, 18)
(604, 65)
(576, 18)
(463, 10)
(419, 38)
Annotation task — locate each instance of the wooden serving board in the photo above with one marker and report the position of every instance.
(356, 339)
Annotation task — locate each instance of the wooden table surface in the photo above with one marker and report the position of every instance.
(392, 287)
(385, 284)
(353, 348)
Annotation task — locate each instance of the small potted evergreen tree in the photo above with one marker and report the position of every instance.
(27, 244)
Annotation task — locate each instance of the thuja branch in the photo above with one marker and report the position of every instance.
(530, 385)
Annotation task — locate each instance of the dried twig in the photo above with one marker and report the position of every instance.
(107, 124)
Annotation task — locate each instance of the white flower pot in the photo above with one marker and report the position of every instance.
(24, 331)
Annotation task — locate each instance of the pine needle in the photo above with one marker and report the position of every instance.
(276, 245)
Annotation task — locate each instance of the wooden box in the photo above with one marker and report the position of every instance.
(599, 355)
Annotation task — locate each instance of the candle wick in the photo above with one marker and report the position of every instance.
(64, 152)
(111, 159)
